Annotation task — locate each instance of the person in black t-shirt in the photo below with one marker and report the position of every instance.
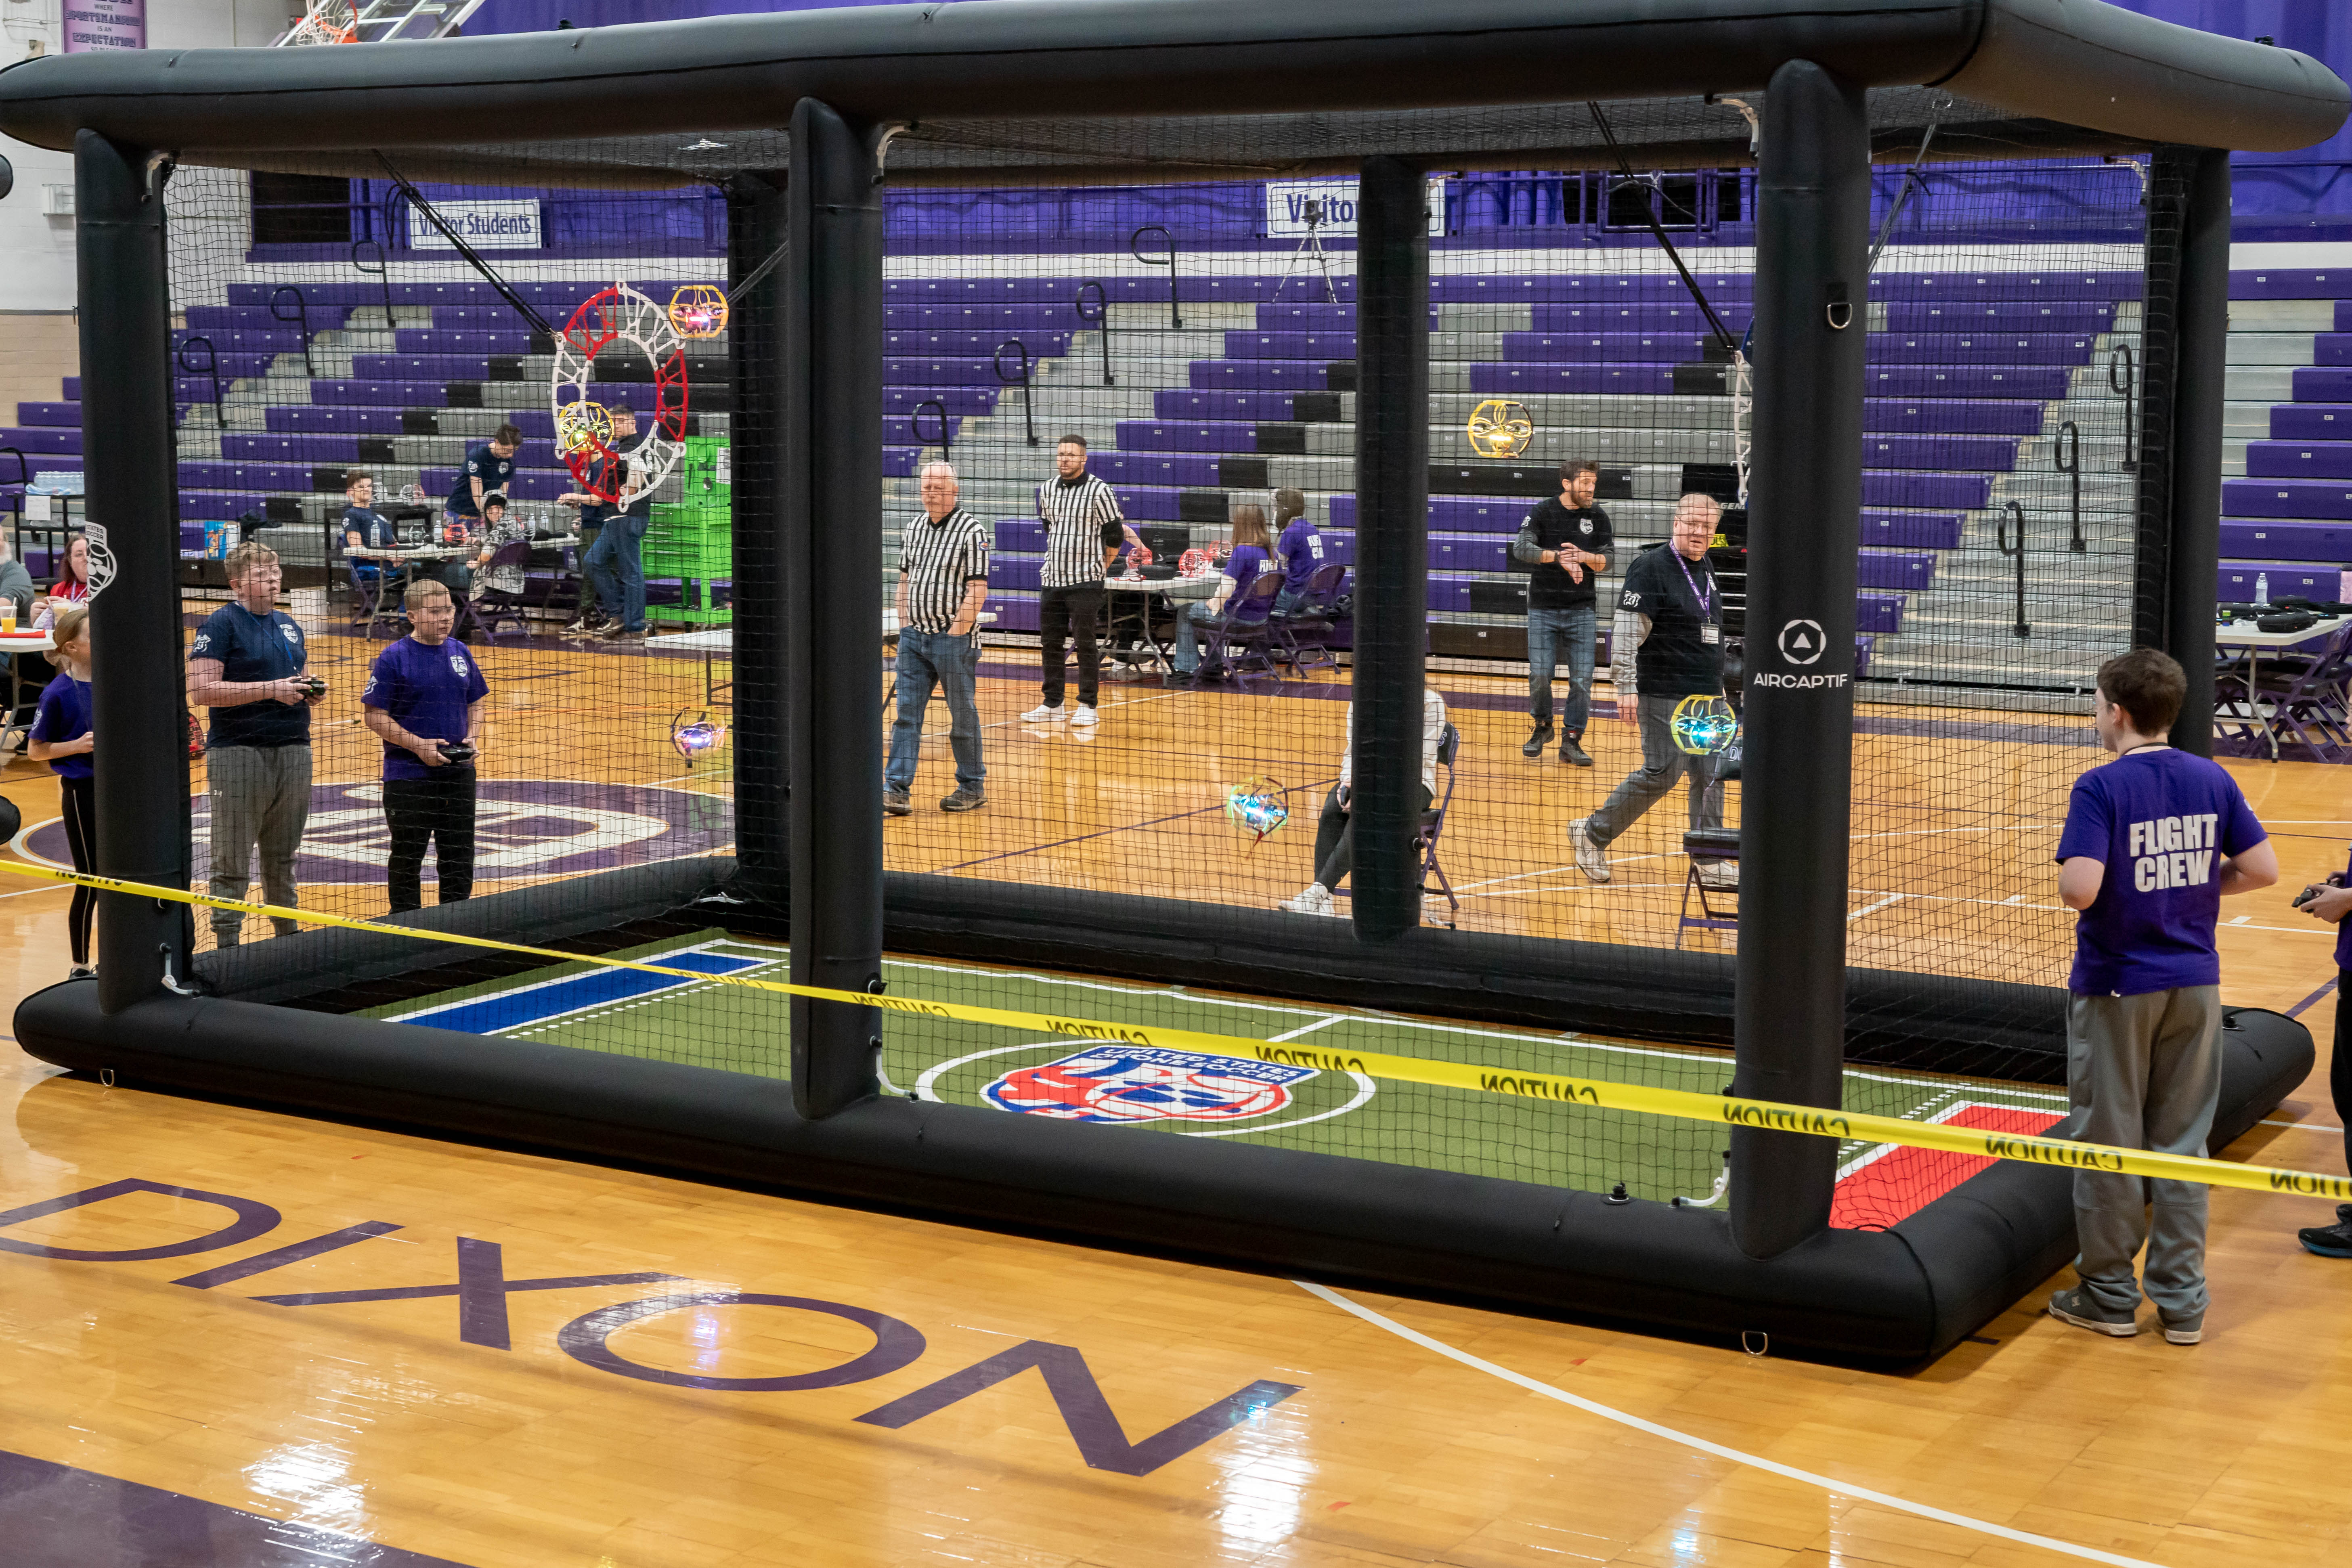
(1667, 644)
(1565, 545)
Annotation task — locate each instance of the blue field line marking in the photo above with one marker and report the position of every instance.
(550, 999)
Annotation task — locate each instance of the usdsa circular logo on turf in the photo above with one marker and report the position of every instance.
(1146, 1083)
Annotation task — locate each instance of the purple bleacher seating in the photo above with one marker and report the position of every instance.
(1149, 503)
(1584, 348)
(1451, 514)
(50, 413)
(1518, 380)
(919, 343)
(928, 373)
(1980, 453)
(1146, 466)
(1149, 436)
(1651, 317)
(277, 448)
(997, 320)
(2243, 537)
(2332, 349)
(527, 484)
(312, 418)
(2241, 580)
(42, 438)
(1953, 415)
(1893, 287)
(1328, 345)
(1878, 612)
(1271, 376)
(71, 392)
(1912, 529)
(2290, 283)
(1468, 552)
(2322, 386)
(2299, 461)
(1014, 571)
(214, 506)
(2343, 315)
(248, 340)
(1015, 611)
(2289, 421)
(2286, 498)
(1019, 533)
(1313, 316)
(1901, 569)
(907, 291)
(1926, 491)
(420, 367)
(464, 341)
(2042, 382)
(1977, 348)
(1648, 288)
(2034, 315)
(1234, 403)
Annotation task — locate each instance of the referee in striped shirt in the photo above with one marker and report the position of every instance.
(1084, 531)
(943, 584)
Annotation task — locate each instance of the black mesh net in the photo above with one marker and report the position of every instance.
(1179, 296)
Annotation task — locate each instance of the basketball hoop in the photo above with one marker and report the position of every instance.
(619, 315)
(326, 22)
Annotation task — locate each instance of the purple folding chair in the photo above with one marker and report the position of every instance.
(1245, 625)
(1301, 632)
(2306, 703)
(493, 607)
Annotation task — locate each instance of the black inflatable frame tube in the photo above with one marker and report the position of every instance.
(756, 227)
(2077, 61)
(1804, 533)
(141, 772)
(1392, 542)
(2199, 385)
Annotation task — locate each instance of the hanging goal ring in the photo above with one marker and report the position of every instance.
(618, 315)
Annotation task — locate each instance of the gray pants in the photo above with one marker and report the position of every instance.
(2144, 1072)
(1663, 763)
(261, 799)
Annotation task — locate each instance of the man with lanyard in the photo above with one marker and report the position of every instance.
(615, 564)
(247, 664)
(1667, 644)
(943, 584)
(1084, 531)
(1564, 542)
(365, 528)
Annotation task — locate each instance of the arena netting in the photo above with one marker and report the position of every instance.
(1180, 296)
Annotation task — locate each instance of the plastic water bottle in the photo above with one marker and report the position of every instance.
(2262, 588)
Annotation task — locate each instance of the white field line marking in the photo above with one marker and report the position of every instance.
(2301, 1126)
(529, 986)
(1890, 900)
(1754, 1461)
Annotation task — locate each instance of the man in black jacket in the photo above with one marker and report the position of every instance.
(1565, 545)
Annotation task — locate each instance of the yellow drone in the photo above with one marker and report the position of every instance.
(581, 426)
(1500, 429)
(698, 310)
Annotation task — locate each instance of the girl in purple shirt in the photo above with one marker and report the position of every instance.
(1252, 552)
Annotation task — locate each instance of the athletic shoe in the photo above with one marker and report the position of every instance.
(1718, 876)
(587, 628)
(964, 799)
(83, 971)
(1573, 754)
(1177, 680)
(2184, 1331)
(1537, 742)
(1042, 713)
(1314, 900)
(2076, 1307)
(1590, 858)
(1083, 714)
(2327, 1240)
(895, 803)
(624, 635)
(2344, 1213)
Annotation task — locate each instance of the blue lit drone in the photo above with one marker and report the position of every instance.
(1704, 726)
(705, 734)
(1257, 805)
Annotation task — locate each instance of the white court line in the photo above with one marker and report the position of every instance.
(1771, 1467)
(1889, 899)
(2301, 1126)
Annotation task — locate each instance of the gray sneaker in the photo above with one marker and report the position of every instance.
(895, 803)
(1590, 858)
(965, 798)
(2184, 1331)
(2076, 1307)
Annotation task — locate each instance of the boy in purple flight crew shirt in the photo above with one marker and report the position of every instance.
(2153, 842)
(423, 700)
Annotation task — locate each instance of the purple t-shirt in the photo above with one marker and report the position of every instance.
(427, 690)
(1244, 565)
(2160, 821)
(64, 715)
(1301, 549)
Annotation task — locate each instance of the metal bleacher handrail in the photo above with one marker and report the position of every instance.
(2016, 551)
(1168, 241)
(2122, 357)
(1028, 407)
(2066, 455)
(380, 272)
(914, 424)
(1101, 320)
(211, 368)
(301, 316)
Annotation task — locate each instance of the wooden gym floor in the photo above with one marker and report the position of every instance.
(156, 1400)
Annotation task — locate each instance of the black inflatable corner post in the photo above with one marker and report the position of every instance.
(756, 226)
(129, 448)
(831, 504)
(1804, 529)
(1392, 540)
(2199, 388)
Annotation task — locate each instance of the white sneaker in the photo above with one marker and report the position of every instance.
(1590, 858)
(1082, 714)
(1042, 713)
(1314, 900)
(1718, 876)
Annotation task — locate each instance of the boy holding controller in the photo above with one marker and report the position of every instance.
(2153, 842)
(423, 699)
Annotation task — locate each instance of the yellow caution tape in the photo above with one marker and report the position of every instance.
(1600, 1094)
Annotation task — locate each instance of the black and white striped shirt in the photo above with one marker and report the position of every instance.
(939, 560)
(1082, 520)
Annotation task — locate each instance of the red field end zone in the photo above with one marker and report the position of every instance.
(1895, 1183)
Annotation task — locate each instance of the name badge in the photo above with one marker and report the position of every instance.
(1710, 632)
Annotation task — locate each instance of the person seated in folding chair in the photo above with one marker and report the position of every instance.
(499, 529)
(1335, 830)
(1251, 554)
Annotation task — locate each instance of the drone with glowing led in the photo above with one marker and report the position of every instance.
(1257, 805)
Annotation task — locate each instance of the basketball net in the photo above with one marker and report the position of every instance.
(327, 22)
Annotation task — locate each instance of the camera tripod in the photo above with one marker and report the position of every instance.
(1313, 214)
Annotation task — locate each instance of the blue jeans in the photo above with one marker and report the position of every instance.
(1190, 623)
(1548, 633)
(926, 660)
(615, 568)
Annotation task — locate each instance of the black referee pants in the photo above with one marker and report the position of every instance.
(438, 811)
(1066, 616)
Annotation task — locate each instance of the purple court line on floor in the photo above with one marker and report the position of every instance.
(55, 1516)
(2310, 1002)
(1308, 789)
